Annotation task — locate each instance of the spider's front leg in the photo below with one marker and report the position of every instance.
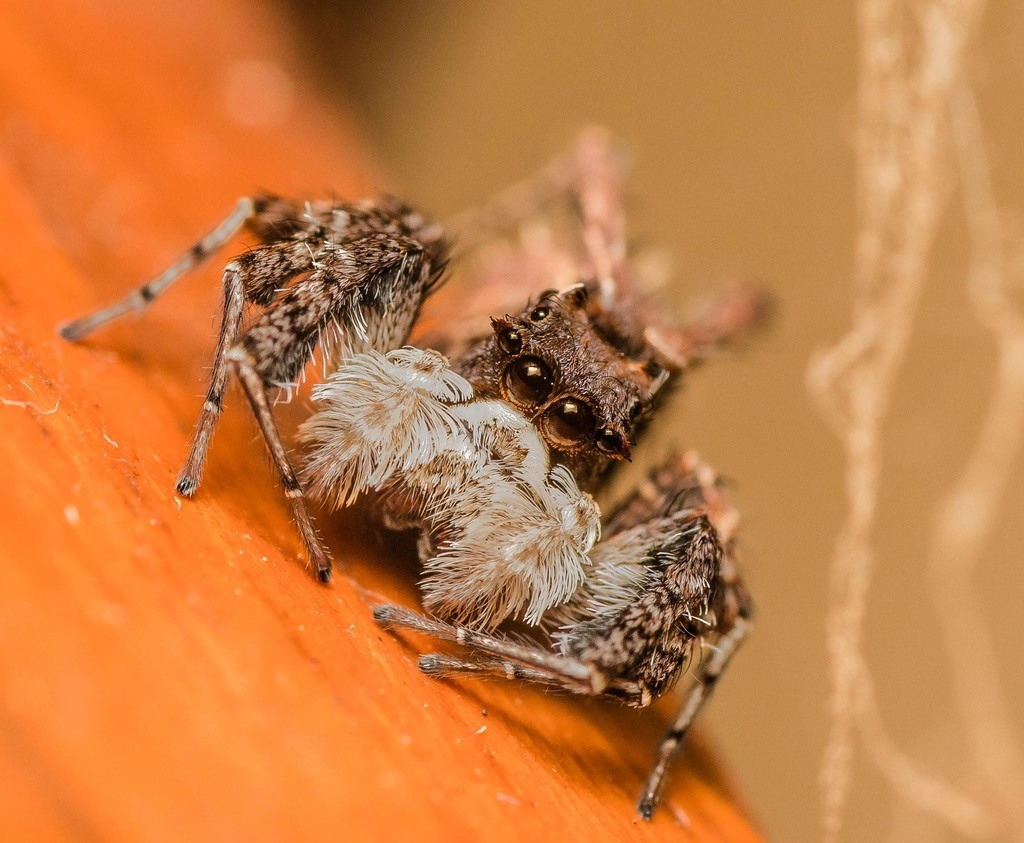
(662, 585)
(730, 620)
(341, 277)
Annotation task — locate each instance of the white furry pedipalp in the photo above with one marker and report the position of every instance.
(381, 416)
(510, 533)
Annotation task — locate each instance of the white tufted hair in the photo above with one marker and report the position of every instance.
(509, 534)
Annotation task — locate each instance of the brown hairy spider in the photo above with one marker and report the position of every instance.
(492, 449)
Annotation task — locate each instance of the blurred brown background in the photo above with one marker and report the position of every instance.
(740, 120)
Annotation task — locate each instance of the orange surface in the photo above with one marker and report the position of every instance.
(168, 671)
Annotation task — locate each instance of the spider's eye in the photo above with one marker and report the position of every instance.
(635, 410)
(540, 313)
(609, 441)
(510, 341)
(528, 381)
(570, 422)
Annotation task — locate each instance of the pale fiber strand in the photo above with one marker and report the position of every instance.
(903, 185)
(966, 515)
(964, 523)
(920, 788)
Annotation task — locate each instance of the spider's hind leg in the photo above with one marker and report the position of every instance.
(256, 392)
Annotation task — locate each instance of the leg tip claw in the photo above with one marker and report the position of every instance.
(430, 664)
(384, 615)
(72, 331)
(186, 486)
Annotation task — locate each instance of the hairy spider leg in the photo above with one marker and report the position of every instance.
(143, 296)
(256, 392)
(734, 612)
(527, 198)
(350, 275)
(233, 310)
(371, 288)
(716, 322)
(391, 617)
(253, 278)
(638, 679)
(707, 675)
(590, 176)
(441, 665)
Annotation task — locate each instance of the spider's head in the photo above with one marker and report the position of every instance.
(566, 367)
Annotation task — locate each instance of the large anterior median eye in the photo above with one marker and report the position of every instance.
(528, 381)
(570, 422)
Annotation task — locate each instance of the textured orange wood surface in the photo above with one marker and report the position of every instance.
(168, 671)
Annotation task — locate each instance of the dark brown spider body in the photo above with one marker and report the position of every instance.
(491, 453)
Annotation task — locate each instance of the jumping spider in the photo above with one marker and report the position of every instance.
(491, 452)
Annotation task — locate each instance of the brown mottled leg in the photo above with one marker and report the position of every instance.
(682, 481)
(687, 477)
(234, 307)
(144, 295)
(369, 289)
(254, 277)
(391, 617)
(362, 273)
(441, 665)
(722, 650)
(256, 392)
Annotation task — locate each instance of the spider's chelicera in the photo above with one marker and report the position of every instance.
(493, 449)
